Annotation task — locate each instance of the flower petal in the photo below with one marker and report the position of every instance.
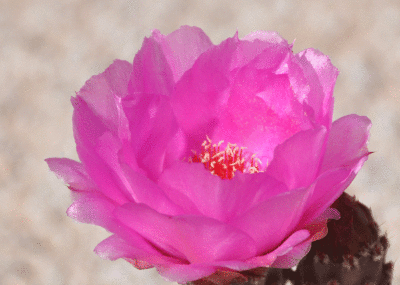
(268, 47)
(135, 185)
(265, 36)
(99, 92)
(198, 192)
(295, 252)
(147, 192)
(93, 208)
(134, 247)
(319, 80)
(328, 187)
(183, 273)
(199, 94)
(182, 48)
(88, 128)
(258, 119)
(151, 71)
(347, 141)
(156, 132)
(271, 221)
(71, 172)
(194, 238)
(297, 161)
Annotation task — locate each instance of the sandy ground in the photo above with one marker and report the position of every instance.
(48, 49)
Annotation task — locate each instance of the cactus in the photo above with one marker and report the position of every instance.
(353, 252)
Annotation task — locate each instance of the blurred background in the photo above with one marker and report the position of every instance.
(48, 49)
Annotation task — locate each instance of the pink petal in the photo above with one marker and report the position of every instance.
(93, 208)
(156, 132)
(318, 227)
(199, 93)
(328, 187)
(151, 71)
(270, 222)
(347, 141)
(258, 119)
(347, 155)
(287, 254)
(320, 77)
(200, 193)
(185, 273)
(194, 238)
(265, 36)
(88, 128)
(296, 162)
(182, 184)
(293, 240)
(196, 189)
(299, 244)
(268, 47)
(294, 255)
(134, 247)
(107, 148)
(182, 48)
(147, 192)
(71, 172)
(99, 92)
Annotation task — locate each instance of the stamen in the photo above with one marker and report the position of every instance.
(226, 162)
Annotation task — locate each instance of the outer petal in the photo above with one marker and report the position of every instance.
(293, 257)
(97, 111)
(185, 273)
(151, 71)
(72, 172)
(272, 220)
(132, 247)
(347, 141)
(342, 161)
(268, 47)
(193, 238)
(94, 208)
(265, 36)
(99, 92)
(88, 128)
(182, 48)
(320, 77)
(297, 161)
(328, 187)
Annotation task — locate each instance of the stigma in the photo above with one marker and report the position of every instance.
(224, 163)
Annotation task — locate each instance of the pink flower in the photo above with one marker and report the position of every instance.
(202, 157)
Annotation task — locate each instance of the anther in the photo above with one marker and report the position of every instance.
(226, 162)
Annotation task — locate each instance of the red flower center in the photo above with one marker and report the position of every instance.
(226, 162)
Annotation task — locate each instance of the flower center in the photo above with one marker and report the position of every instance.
(226, 162)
